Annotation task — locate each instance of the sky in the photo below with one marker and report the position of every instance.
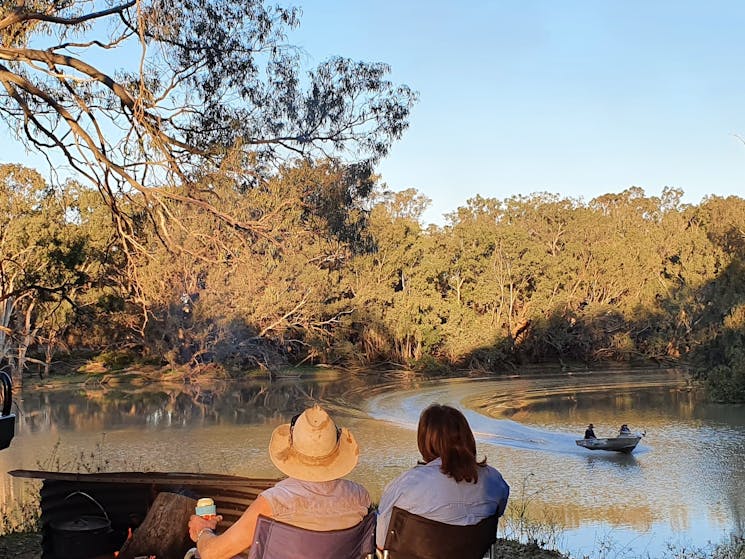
(577, 98)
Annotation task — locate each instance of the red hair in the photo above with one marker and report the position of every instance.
(444, 433)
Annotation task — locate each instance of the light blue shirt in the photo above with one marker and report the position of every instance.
(426, 491)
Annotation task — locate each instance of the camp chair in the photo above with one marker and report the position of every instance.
(7, 419)
(414, 537)
(276, 540)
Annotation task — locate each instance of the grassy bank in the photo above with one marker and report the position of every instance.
(28, 546)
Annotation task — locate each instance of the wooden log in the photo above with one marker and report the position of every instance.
(164, 533)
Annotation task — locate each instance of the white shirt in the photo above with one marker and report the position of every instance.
(318, 505)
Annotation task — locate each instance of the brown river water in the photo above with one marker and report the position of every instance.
(684, 485)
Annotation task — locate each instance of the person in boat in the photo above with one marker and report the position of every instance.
(590, 432)
(450, 484)
(316, 455)
(624, 431)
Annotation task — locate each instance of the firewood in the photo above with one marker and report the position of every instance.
(164, 533)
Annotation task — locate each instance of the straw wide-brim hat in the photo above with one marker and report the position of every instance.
(312, 448)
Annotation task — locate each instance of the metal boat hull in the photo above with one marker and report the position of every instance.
(617, 444)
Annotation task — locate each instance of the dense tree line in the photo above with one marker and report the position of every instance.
(339, 271)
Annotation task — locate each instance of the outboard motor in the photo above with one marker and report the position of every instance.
(7, 419)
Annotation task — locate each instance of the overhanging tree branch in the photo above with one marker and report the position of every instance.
(203, 79)
(19, 15)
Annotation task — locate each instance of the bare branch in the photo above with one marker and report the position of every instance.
(20, 15)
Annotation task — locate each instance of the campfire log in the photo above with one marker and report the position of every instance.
(164, 533)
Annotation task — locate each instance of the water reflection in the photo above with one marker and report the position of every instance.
(621, 461)
(188, 405)
(684, 479)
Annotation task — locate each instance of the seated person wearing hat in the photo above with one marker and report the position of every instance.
(315, 454)
(590, 432)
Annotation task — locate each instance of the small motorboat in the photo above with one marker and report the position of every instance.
(624, 444)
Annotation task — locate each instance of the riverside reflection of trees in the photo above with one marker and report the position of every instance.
(571, 515)
(235, 402)
(626, 277)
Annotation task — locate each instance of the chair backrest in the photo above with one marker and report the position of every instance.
(7, 419)
(6, 393)
(277, 540)
(414, 537)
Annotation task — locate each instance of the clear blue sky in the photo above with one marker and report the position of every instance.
(575, 98)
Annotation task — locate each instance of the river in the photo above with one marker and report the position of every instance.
(682, 486)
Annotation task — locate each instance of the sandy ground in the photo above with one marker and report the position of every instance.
(21, 546)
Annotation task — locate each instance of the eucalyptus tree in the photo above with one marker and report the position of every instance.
(392, 288)
(724, 221)
(21, 194)
(719, 357)
(475, 284)
(502, 260)
(47, 262)
(263, 300)
(144, 97)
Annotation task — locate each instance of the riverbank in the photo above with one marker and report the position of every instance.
(28, 546)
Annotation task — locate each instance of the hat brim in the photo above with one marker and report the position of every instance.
(293, 464)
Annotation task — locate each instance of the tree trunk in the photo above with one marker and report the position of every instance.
(164, 532)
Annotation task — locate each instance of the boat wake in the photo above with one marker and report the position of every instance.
(404, 407)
